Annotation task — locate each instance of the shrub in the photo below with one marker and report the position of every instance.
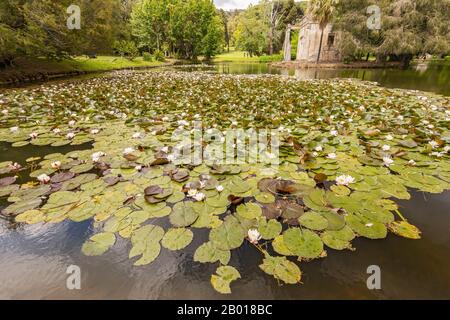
(126, 49)
(147, 57)
(159, 56)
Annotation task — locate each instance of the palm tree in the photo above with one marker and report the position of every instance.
(322, 11)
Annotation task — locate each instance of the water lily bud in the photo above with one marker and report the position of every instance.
(254, 236)
(43, 178)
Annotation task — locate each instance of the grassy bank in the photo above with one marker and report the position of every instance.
(26, 69)
(242, 56)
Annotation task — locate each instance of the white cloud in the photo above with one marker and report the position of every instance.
(234, 4)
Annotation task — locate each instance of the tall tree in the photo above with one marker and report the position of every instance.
(322, 11)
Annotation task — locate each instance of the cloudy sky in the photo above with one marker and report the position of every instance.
(234, 4)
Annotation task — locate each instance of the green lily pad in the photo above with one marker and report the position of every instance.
(183, 215)
(208, 252)
(282, 269)
(314, 221)
(249, 210)
(98, 244)
(229, 235)
(225, 275)
(177, 238)
(305, 244)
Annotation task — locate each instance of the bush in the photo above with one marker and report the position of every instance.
(126, 49)
(147, 57)
(273, 58)
(159, 56)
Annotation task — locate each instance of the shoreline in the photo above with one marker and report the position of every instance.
(23, 74)
(336, 65)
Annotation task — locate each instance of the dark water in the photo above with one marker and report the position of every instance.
(432, 77)
(34, 259)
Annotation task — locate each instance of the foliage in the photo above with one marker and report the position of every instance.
(348, 151)
(190, 28)
(126, 49)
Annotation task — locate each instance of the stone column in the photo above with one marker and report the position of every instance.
(287, 45)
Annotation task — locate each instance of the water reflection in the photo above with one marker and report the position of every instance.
(432, 77)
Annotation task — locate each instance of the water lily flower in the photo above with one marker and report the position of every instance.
(412, 162)
(446, 149)
(15, 166)
(70, 135)
(433, 144)
(389, 137)
(315, 154)
(165, 149)
(14, 129)
(192, 192)
(430, 126)
(5, 112)
(334, 133)
(138, 168)
(400, 117)
(171, 157)
(56, 131)
(437, 154)
(386, 147)
(56, 165)
(72, 123)
(318, 148)
(165, 119)
(254, 236)
(220, 188)
(199, 196)
(128, 151)
(43, 178)
(369, 225)
(183, 123)
(33, 135)
(331, 156)
(137, 135)
(387, 161)
(344, 180)
(95, 131)
(97, 155)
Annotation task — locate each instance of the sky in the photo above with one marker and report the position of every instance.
(234, 4)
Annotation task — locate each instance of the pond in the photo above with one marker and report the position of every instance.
(433, 76)
(34, 257)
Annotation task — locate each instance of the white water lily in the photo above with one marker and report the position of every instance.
(56, 131)
(199, 196)
(192, 192)
(56, 165)
(43, 178)
(315, 154)
(97, 155)
(128, 151)
(388, 161)
(254, 236)
(14, 129)
(437, 154)
(344, 180)
(72, 123)
(137, 135)
(220, 188)
(95, 131)
(171, 157)
(334, 133)
(446, 149)
(389, 137)
(138, 168)
(183, 123)
(33, 135)
(331, 156)
(412, 162)
(400, 118)
(165, 149)
(386, 147)
(165, 119)
(318, 148)
(433, 144)
(5, 112)
(15, 166)
(70, 135)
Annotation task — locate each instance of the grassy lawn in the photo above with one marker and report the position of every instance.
(30, 68)
(241, 56)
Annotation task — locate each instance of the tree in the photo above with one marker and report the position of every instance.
(322, 11)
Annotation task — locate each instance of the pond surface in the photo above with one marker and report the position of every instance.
(432, 77)
(34, 258)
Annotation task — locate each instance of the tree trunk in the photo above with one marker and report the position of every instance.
(271, 36)
(320, 46)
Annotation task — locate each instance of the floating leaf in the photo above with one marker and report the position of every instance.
(229, 235)
(177, 238)
(249, 210)
(225, 275)
(208, 252)
(405, 230)
(183, 215)
(305, 244)
(98, 244)
(282, 269)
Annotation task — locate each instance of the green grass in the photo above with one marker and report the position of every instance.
(30, 68)
(240, 56)
(103, 63)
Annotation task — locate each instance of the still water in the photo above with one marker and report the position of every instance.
(432, 77)
(34, 259)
